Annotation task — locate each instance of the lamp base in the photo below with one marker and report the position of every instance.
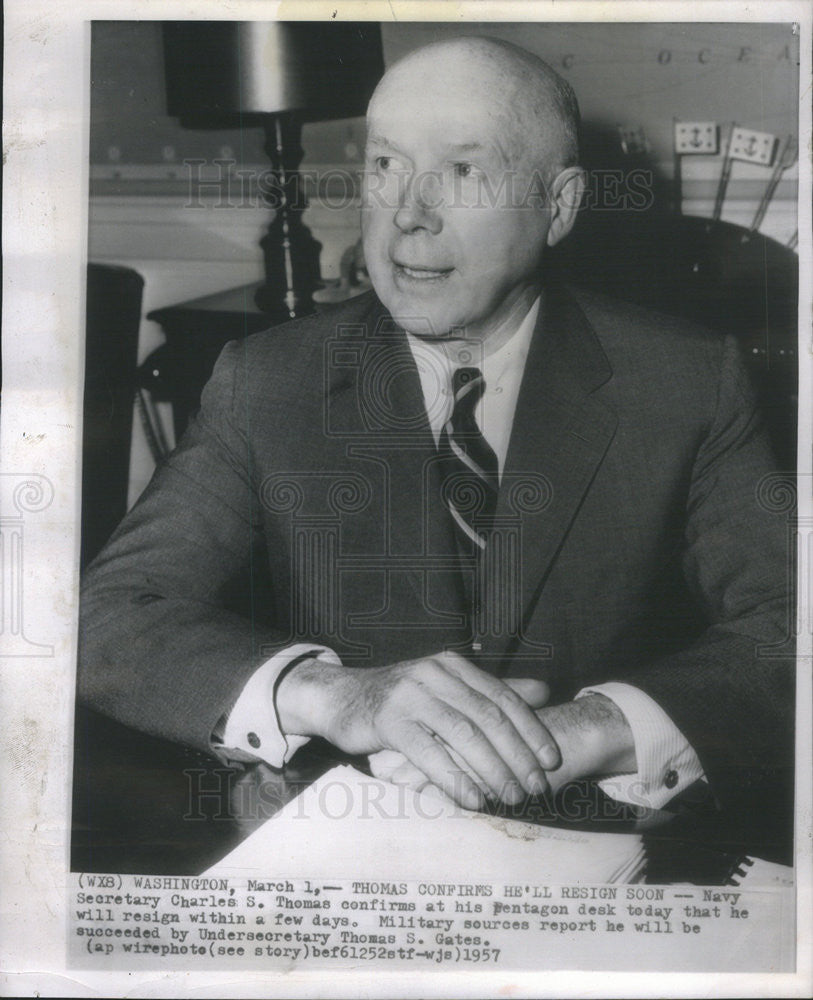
(291, 253)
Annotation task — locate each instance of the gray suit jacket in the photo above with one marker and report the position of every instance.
(302, 505)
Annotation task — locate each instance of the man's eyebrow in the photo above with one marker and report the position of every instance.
(474, 146)
(454, 149)
(376, 139)
(467, 147)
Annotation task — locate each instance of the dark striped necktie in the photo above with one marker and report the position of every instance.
(472, 470)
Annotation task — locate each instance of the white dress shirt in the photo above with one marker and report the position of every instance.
(666, 762)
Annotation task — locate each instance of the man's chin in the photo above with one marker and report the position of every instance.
(432, 333)
(428, 324)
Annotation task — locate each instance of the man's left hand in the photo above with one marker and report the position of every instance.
(592, 733)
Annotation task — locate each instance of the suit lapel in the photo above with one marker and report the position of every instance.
(385, 434)
(560, 434)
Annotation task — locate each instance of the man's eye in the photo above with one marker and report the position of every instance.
(386, 162)
(464, 169)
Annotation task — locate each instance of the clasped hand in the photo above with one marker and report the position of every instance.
(469, 733)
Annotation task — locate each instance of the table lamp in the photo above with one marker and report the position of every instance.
(277, 75)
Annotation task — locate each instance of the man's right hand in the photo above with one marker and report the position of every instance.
(429, 709)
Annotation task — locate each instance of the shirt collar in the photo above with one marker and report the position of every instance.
(512, 353)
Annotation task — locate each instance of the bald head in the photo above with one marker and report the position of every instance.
(470, 173)
(537, 108)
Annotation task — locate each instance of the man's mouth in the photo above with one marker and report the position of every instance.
(421, 273)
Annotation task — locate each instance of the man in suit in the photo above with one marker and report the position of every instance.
(497, 533)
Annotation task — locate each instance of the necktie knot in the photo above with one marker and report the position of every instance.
(463, 377)
(468, 386)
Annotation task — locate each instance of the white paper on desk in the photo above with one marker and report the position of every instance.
(348, 825)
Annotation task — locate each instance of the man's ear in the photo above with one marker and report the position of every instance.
(565, 197)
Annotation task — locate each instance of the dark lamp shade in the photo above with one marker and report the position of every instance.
(216, 70)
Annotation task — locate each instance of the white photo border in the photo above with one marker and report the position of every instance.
(45, 217)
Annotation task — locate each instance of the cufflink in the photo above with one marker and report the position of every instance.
(255, 741)
(670, 780)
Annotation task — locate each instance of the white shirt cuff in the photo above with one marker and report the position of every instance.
(253, 725)
(667, 764)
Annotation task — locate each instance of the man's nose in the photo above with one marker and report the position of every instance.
(419, 204)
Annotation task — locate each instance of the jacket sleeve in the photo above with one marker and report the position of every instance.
(731, 693)
(160, 646)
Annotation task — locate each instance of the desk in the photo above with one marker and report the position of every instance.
(142, 805)
(196, 332)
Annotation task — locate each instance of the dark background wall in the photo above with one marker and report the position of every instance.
(624, 74)
(639, 75)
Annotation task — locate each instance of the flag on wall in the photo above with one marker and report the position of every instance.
(696, 137)
(751, 146)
